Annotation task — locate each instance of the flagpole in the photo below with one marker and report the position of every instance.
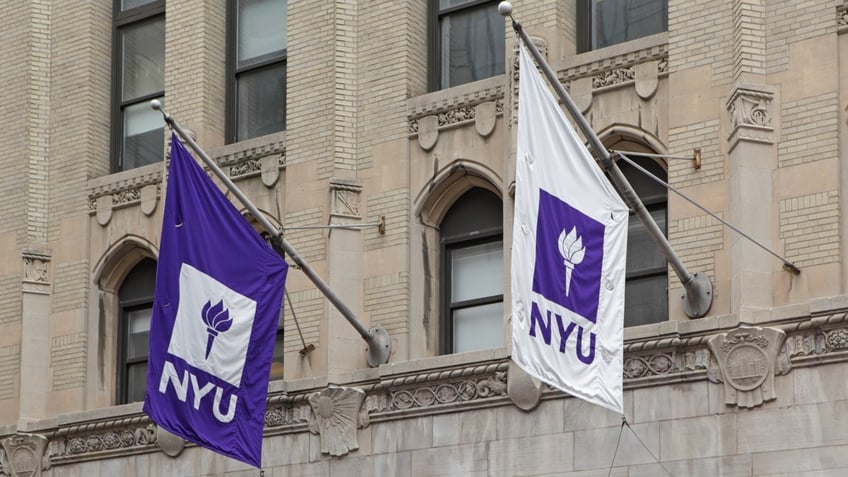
(698, 296)
(377, 338)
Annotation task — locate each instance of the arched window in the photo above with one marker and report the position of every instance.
(646, 292)
(135, 298)
(472, 273)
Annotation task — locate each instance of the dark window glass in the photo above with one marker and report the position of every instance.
(138, 137)
(472, 247)
(646, 292)
(469, 42)
(258, 44)
(136, 307)
(609, 22)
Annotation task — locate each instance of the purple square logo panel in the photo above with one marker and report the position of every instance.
(569, 256)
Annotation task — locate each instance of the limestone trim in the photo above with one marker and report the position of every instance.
(842, 18)
(619, 69)
(265, 157)
(810, 340)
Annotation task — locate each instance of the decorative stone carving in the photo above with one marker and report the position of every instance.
(613, 77)
(428, 132)
(336, 417)
(149, 197)
(23, 455)
(344, 198)
(581, 93)
(749, 107)
(36, 267)
(270, 167)
(106, 437)
(172, 445)
(647, 78)
(103, 209)
(485, 118)
(450, 392)
(524, 390)
(747, 358)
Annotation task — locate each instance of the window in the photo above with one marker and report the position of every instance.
(472, 273)
(139, 76)
(466, 42)
(257, 51)
(646, 289)
(609, 22)
(136, 306)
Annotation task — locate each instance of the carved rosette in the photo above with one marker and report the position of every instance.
(335, 417)
(746, 359)
(23, 455)
(750, 116)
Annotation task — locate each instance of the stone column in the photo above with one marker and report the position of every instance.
(35, 330)
(345, 346)
(751, 163)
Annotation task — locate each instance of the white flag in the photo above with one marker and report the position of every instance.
(568, 255)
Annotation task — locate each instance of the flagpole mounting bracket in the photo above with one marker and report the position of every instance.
(379, 346)
(697, 296)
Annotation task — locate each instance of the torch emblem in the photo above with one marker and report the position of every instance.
(572, 250)
(217, 319)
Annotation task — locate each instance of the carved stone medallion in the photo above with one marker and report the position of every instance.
(23, 455)
(747, 358)
(336, 417)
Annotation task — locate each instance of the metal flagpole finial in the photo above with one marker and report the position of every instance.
(505, 9)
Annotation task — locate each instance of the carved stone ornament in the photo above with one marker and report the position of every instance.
(172, 445)
(428, 132)
(23, 455)
(485, 118)
(581, 93)
(344, 198)
(336, 417)
(36, 267)
(746, 359)
(524, 390)
(647, 78)
(749, 107)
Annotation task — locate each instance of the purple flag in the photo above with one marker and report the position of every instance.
(218, 294)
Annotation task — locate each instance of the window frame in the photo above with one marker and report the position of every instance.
(141, 298)
(120, 21)
(585, 28)
(233, 71)
(652, 204)
(434, 39)
(449, 307)
(485, 227)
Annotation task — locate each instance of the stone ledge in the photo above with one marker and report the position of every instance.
(444, 384)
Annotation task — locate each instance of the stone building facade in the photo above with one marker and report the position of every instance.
(398, 130)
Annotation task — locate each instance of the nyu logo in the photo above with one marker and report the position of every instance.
(211, 310)
(568, 264)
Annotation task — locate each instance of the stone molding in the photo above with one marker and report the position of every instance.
(809, 341)
(750, 115)
(36, 267)
(23, 455)
(842, 17)
(746, 358)
(143, 186)
(345, 198)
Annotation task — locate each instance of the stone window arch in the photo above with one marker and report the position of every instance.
(460, 216)
(646, 292)
(125, 279)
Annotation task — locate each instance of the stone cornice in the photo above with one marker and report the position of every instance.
(809, 341)
(262, 156)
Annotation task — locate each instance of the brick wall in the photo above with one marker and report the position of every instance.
(809, 228)
(309, 306)
(67, 359)
(810, 130)
(394, 205)
(793, 21)
(701, 33)
(683, 140)
(387, 301)
(696, 240)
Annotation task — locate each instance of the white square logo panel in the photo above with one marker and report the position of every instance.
(213, 325)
